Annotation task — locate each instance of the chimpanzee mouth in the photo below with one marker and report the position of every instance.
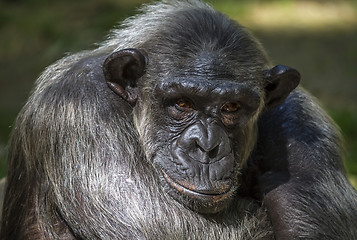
(216, 195)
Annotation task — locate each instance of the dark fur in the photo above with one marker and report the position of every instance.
(306, 177)
(78, 168)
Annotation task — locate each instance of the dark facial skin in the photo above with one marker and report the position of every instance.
(203, 121)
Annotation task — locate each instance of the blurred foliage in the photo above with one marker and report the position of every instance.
(317, 37)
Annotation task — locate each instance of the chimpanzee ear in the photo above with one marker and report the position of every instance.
(122, 69)
(279, 82)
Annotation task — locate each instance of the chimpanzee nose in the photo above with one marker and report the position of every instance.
(209, 146)
(205, 142)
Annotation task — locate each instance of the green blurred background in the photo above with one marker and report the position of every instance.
(319, 38)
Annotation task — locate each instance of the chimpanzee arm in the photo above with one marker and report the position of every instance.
(303, 181)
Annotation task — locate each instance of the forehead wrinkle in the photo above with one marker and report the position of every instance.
(182, 86)
(206, 88)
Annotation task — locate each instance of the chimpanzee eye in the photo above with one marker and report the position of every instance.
(184, 103)
(230, 107)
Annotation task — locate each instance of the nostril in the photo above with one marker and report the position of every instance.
(214, 152)
(197, 145)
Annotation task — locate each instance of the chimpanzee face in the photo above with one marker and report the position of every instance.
(197, 124)
(204, 128)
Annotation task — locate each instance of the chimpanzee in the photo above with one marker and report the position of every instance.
(177, 127)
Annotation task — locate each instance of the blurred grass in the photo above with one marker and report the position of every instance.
(316, 37)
